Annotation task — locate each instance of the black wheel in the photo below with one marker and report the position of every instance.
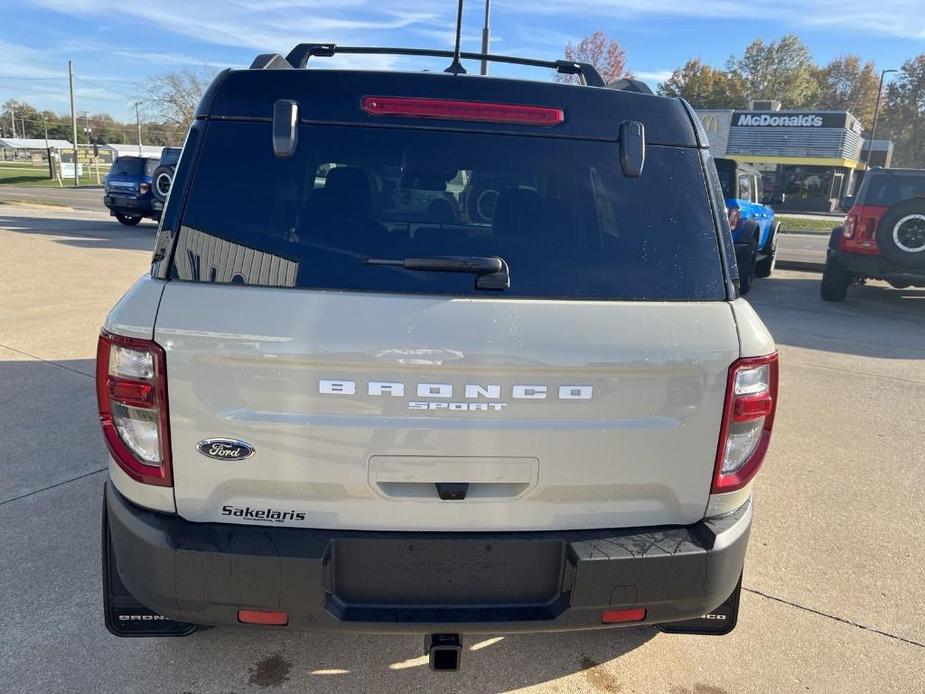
(746, 258)
(163, 179)
(835, 282)
(127, 219)
(901, 233)
(765, 266)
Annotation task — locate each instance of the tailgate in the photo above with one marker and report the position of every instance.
(557, 414)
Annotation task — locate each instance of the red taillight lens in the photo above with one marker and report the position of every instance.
(734, 215)
(264, 617)
(748, 417)
(620, 616)
(447, 109)
(131, 390)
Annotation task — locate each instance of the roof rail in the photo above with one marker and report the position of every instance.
(298, 58)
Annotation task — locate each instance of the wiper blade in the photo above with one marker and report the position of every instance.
(491, 272)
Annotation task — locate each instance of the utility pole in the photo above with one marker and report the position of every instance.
(51, 161)
(13, 121)
(138, 126)
(873, 128)
(70, 82)
(486, 36)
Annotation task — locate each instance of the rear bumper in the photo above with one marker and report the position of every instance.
(329, 580)
(875, 266)
(126, 204)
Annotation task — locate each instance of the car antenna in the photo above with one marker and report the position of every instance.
(456, 67)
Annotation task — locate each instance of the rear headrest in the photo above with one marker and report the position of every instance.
(346, 190)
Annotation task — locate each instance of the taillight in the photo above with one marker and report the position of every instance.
(849, 226)
(448, 109)
(131, 391)
(734, 215)
(748, 417)
(143, 188)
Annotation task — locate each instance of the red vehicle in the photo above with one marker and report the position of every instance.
(883, 236)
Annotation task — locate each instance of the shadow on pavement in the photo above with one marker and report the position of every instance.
(874, 321)
(84, 233)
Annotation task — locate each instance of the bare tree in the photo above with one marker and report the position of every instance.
(171, 98)
(607, 56)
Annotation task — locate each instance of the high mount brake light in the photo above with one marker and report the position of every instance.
(748, 418)
(131, 391)
(448, 109)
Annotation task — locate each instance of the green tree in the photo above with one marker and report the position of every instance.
(781, 70)
(904, 114)
(28, 122)
(847, 84)
(704, 86)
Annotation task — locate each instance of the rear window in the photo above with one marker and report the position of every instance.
(560, 212)
(133, 166)
(891, 189)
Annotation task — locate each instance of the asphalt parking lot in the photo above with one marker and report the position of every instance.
(834, 597)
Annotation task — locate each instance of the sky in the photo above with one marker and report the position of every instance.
(116, 45)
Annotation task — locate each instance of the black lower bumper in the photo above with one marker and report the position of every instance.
(330, 580)
(132, 206)
(876, 267)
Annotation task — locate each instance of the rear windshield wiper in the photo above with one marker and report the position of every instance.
(491, 272)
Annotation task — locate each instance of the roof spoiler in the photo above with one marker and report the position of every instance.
(299, 56)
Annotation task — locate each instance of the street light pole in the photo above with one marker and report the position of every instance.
(138, 126)
(70, 82)
(873, 128)
(486, 36)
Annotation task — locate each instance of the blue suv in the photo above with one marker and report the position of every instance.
(754, 227)
(128, 192)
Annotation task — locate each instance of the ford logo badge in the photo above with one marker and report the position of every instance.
(225, 449)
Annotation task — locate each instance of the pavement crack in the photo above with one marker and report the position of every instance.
(52, 486)
(874, 630)
(862, 373)
(46, 361)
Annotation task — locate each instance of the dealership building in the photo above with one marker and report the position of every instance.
(814, 157)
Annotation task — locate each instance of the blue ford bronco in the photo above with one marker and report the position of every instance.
(128, 189)
(754, 227)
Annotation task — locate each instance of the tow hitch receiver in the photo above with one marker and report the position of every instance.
(443, 651)
(719, 622)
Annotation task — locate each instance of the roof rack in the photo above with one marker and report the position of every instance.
(298, 58)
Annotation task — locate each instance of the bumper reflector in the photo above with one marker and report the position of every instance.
(620, 616)
(264, 617)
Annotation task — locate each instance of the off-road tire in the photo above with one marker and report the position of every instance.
(835, 282)
(747, 263)
(901, 234)
(162, 179)
(765, 266)
(127, 219)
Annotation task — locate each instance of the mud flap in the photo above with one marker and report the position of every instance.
(123, 614)
(719, 622)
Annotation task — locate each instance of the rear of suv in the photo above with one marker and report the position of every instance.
(883, 236)
(361, 402)
(128, 189)
(755, 229)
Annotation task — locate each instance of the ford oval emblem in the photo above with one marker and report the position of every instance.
(225, 449)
